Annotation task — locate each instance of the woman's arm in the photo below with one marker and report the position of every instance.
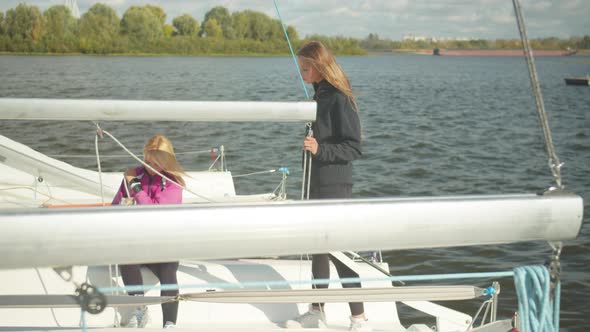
(172, 194)
(130, 173)
(120, 194)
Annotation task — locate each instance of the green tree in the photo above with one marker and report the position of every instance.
(4, 39)
(224, 20)
(168, 30)
(2, 23)
(25, 21)
(143, 26)
(551, 43)
(293, 35)
(212, 29)
(158, 12)
(339, 45)
(60, 29)
(99, 30)
(186, 25)
(241, 24)
(260, 26)
(249, 24)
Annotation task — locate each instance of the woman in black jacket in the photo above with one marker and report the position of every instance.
(335, 142)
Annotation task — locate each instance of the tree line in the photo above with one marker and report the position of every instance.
(143, 30)
(374, 43)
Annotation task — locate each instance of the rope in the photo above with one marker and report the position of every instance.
(306, 154)
(538, 310)
(291, 49)
(282, 187)
(305, 162)
(254, 173)
(83, 320)
(120, 155)
(46, 187)
(46, 292)
(554, 163)
(99, 133)
(280, 283)
(214, 162)
(49, 197)
(112, 283)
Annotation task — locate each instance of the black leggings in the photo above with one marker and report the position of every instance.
(320, 266)
(166, 272)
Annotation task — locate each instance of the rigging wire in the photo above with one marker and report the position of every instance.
(47, 293)
(121, 155)
(554, 163)
(99, 133)
(306, 154)
(291, 49)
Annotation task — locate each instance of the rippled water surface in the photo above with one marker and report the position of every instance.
(431, 126)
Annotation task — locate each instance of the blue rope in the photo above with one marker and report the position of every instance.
(291, 49)
(83, 319)
(538, 311)
(279, 283)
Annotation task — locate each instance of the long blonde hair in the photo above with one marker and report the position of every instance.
(322, 60)
(159, 150)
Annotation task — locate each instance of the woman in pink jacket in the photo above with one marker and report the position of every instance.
(144, 186)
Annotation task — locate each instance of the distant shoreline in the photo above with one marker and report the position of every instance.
(254, 55)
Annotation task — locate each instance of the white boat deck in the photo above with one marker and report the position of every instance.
(205, 316)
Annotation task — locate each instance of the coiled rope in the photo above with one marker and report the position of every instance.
(538, 308)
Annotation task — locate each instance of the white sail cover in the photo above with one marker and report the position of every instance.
(45, 169)
(155, 110)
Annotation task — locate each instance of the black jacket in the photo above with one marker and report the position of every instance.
(337, 130)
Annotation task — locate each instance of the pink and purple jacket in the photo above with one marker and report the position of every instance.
(156, 190)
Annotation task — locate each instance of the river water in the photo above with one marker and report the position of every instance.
(431, 126)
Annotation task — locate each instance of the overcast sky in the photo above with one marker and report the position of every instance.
(488, 19)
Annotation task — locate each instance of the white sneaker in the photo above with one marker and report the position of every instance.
(169, 325)
(360, 325)
(139, 319)
(310, 319)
